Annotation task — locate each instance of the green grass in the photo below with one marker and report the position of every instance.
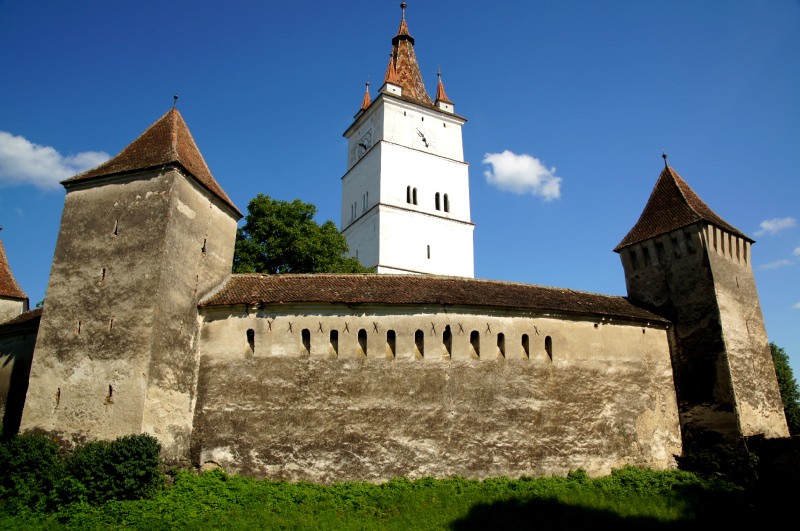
(629, 498)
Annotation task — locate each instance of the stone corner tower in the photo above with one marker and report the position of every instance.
(142, 238)
(405, 195)
(687, 263)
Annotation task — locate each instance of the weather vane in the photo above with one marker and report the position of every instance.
(174, 101)
(664, 156)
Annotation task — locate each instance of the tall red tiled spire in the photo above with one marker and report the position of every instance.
(8, 285)
(167, 141)
(673, 205)
(403, 66)
(366, 101)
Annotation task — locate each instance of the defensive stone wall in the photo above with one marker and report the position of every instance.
(433, 391)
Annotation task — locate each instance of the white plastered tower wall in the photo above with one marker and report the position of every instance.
(390, 213)
(405, 195)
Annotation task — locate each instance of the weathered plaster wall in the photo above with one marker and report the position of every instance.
(696, 279)
(11, 307)
(116, 350)
(752, 373)
(198, 251)
(282, 410)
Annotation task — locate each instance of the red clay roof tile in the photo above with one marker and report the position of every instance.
(672, 205)
(167, 141)
(8, 284)
(254, 288)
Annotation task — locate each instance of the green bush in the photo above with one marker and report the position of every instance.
(29, 468)
(35, 477)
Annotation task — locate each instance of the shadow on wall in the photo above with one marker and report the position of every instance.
(17, 389)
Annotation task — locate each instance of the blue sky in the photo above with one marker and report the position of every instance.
(593, 91)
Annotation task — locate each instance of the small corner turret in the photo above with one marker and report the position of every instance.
(13, 300)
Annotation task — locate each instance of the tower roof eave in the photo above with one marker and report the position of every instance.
(673, 205)
(167, 141)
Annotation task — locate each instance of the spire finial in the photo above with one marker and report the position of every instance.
(174, 101)
(664, 156)
(403, 6)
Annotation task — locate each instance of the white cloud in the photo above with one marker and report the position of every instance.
(775, 225)
(23, 162)
(783, 262)
(796, 306)
(522, 174)
(796, 251)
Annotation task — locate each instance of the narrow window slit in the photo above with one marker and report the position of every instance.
(362, 343)
(251, 341)
(419, 343)
(447, 342)
(475, 343)
(391, 344)
(333, 341)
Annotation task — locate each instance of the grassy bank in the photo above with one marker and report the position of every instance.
(629, 499)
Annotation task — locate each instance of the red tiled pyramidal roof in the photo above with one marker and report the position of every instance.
(672, 205)
(403, 68)
(440, 94)
(167, 141)
(8, 285)
(254, 288)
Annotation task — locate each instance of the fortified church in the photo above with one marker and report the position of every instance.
(418, 370)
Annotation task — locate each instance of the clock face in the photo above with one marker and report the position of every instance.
(423, 139)
(364, 143)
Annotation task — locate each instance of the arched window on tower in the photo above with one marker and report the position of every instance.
(414, 196)
(408, 195)
(446, 203)
(438, 207)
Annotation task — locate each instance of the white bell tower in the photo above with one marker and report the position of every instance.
(405, 196)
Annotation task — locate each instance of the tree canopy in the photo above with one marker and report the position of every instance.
(282, 237)
(788, 387)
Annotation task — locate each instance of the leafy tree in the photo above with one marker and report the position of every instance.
(282, 237)
(788, 387)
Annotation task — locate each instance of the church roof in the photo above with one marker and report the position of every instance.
(25, 320)
(8, 285)
(254, 288)
(167, 141)
(403, 69)
(673, 205)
